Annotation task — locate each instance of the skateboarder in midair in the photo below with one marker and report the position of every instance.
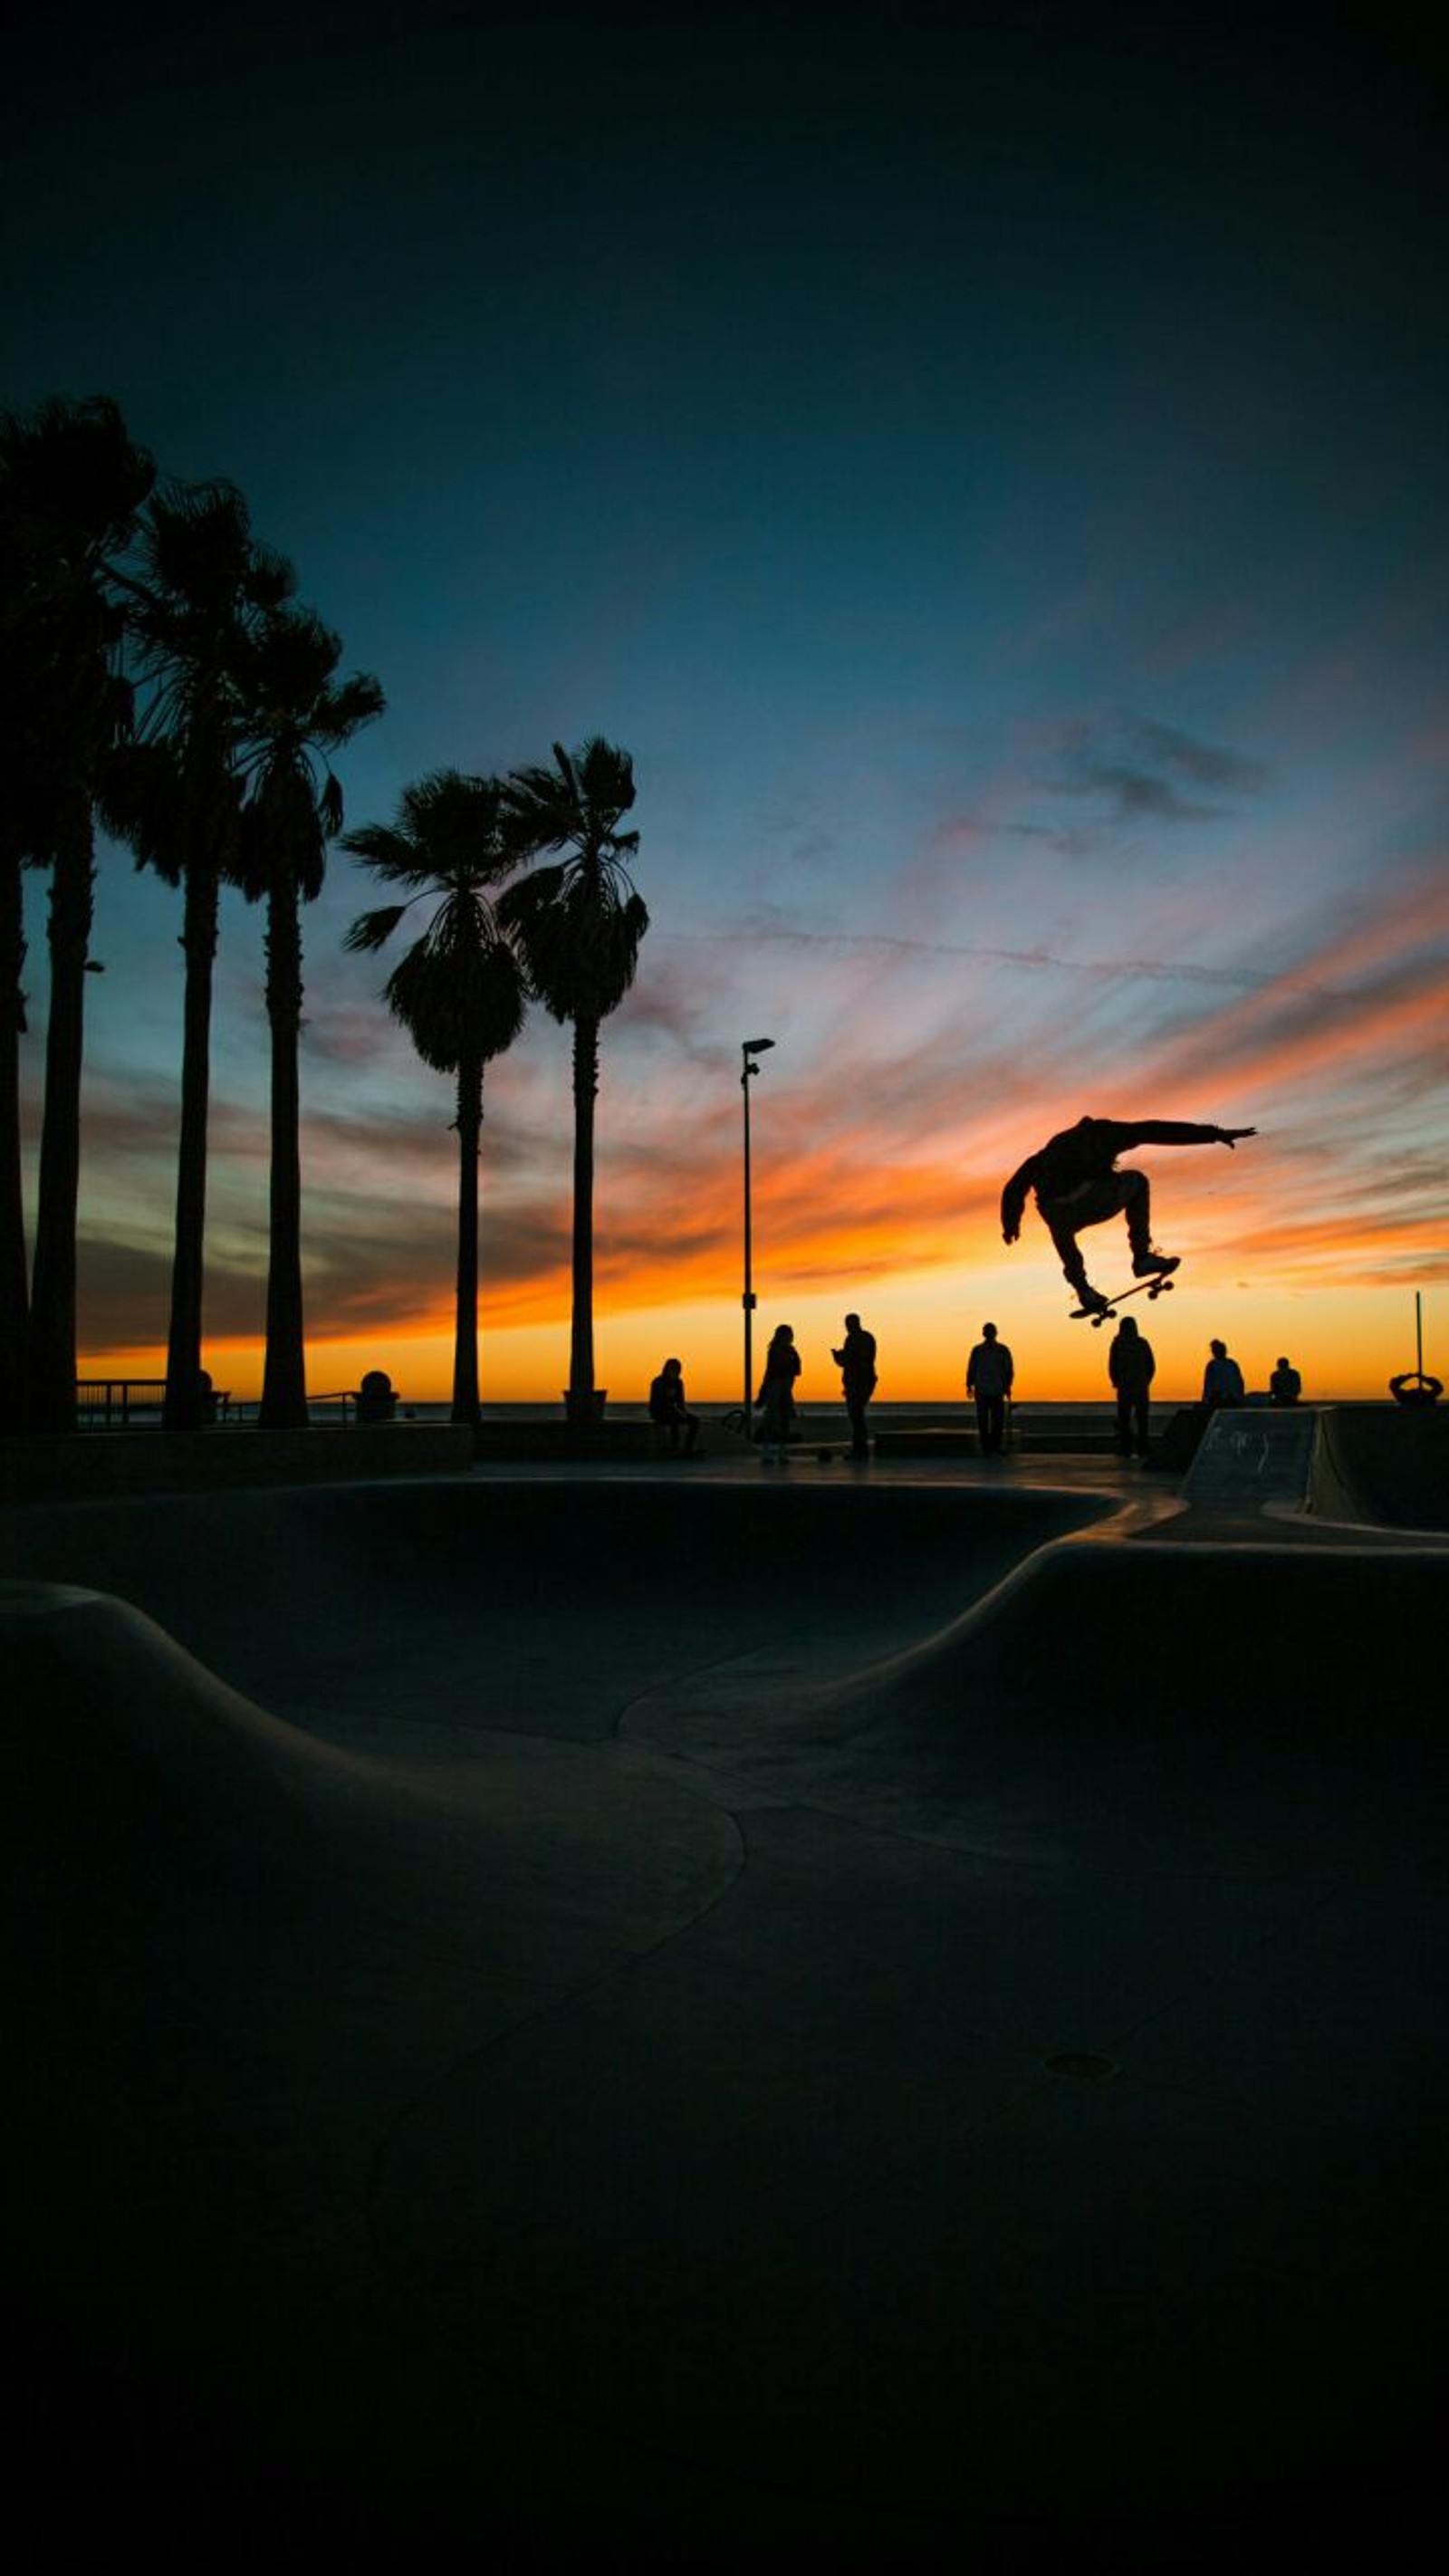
(1077, 1184)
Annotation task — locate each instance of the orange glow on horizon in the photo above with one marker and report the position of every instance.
(1347, 1342)
(879, 1190)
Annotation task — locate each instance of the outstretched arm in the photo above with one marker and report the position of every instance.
(1013, 1199)
(1176, 1131)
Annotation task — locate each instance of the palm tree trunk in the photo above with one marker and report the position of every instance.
(465, 1337)
(579, 1405)
(50, 1395)
(284, 1378)
(14, 1280)
(184, 1410)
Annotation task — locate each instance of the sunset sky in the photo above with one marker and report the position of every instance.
(992, 478)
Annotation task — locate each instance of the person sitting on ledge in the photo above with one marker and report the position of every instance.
(376, 1397)
(1222, 1380)
(1285, 1385)
(667, 1406)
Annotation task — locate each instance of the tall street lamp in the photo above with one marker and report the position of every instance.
(750, 1049)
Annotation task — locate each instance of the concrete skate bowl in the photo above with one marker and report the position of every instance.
(1235, 1708)
(988, 2074)
(232, 1954)
(1383, 1465)
(1066, 2092)
(434, 1610)
(267, 1901)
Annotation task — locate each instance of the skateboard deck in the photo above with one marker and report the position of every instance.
(1152, 1289)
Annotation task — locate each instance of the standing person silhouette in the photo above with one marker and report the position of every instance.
(1131, 1367)
(989, 1373)
(777, 1395)
(855, 1360)
(1077, 1184)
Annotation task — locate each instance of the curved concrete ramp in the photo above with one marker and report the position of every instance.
(450, 1608)
(1047, 2127)
(523, 1860)
(958, 2054)
(1238, 1707)
(232, 1957)
(1383, 1463)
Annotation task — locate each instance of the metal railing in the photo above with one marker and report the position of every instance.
(134, 1403)
(107, 1403)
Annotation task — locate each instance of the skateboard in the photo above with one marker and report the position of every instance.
(1157, 1286)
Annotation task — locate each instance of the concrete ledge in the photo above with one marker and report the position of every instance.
(959, 1440)
(89, 1465)
(600, 1441)
(941, 1442)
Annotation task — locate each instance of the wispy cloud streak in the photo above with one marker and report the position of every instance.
(1162, 970)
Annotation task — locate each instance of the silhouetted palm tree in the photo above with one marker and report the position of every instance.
(296, 715)
(71, 483)
(458, 991)
(578, 926)
(174, 792)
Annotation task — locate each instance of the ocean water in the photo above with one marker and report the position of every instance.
(829, 1409)
(138, 1408)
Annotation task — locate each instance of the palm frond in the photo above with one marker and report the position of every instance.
(606, 775)
(373, 930)
(389, 853)
(359, 701)
(530, 897)
(77, 475)
(460, 1008)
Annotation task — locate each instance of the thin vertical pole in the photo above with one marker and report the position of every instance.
(749, 1295)
(1419, 1331)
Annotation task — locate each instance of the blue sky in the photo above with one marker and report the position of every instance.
(987, 467)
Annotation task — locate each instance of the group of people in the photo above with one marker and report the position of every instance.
(855, 1360)
(1075, 1182)
(990, 1374)
(1132, 1366)
(988, 1379)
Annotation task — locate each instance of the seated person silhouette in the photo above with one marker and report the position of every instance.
(1285, 1385)
(667, 1406)
(376, 1397)
(1076, 1183)
(1222, 1379)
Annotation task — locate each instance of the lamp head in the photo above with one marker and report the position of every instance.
(756, 1046)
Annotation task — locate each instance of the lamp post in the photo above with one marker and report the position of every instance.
(751, 1048)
